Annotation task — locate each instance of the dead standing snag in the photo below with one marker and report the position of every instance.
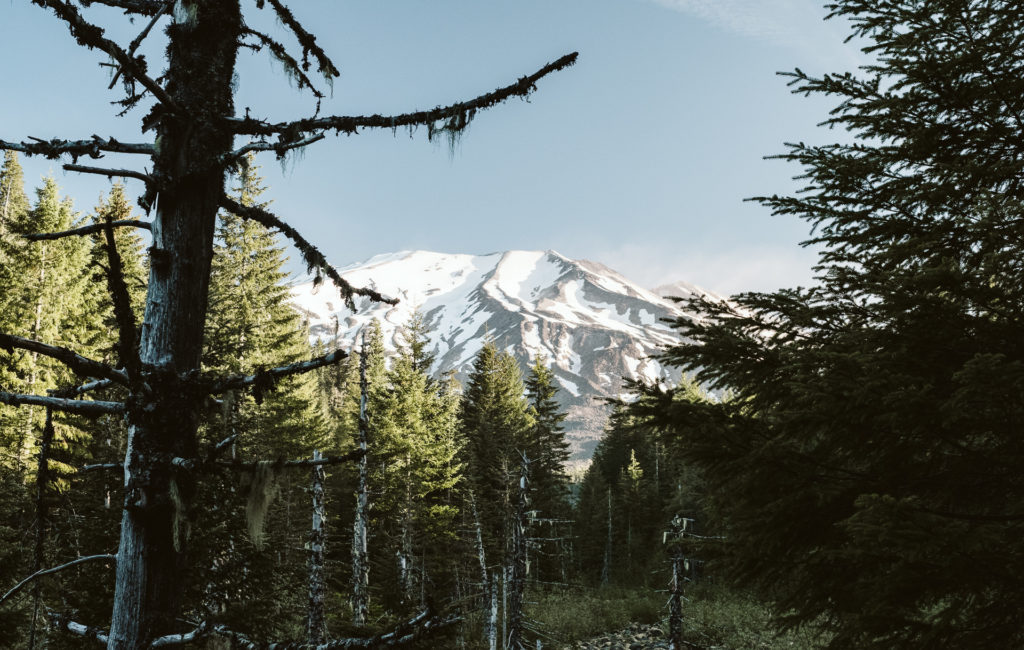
(192, 115)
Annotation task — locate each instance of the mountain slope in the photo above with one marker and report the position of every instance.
(593, 325)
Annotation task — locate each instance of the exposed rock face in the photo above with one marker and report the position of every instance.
(592, 325)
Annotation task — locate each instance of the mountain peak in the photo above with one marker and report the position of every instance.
(593, 325)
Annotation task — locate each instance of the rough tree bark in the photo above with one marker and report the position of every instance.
(195, 124)
(315, 624)
(42, 514)
(607, 565)
(518, 566)
(163, 416)
(360, 527)
(674, 538)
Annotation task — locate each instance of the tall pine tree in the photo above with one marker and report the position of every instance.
(867, 474)
(496, 423)
(250, 325)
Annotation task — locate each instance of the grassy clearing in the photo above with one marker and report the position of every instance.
(713, 617)
(565, 616)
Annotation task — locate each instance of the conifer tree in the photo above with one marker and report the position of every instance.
(867, 473)
(251, 325)
(191, 112)
(415, 440)
(14, 205)
(546, 447)
(495, 422)
(50, 299)
(14, 209)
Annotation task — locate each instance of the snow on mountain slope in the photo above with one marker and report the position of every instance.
(593, 326)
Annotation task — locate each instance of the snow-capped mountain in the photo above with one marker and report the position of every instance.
(593, 326)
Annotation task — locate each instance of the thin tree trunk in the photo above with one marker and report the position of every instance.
(606, 567)
(492, 627)
(37, 324)
(315, 624)
(489, 585)
(405, 554)
(360, 561)
(151, 564)
(518, 564)
(479, 539)
(42, 477)
(675, 619)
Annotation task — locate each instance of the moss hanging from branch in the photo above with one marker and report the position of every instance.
(262, 490)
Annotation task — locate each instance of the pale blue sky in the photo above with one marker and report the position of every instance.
(638, 157)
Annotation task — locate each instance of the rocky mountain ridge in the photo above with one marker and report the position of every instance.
(592, 325)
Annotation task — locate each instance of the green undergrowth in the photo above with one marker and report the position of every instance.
(713, 617)
(564, 616)
(716, 617)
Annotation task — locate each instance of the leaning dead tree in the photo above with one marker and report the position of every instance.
(197, 139)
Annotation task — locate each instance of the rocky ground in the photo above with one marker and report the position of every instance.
(634, 637)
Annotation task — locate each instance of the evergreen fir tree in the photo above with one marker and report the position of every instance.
(14, 210)
(51, 300)
(547, 448)
(495, 422)
(867, 473)
(14, 205)
(250, 325)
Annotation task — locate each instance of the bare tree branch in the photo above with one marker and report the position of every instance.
(94, 148)
(100, 466)
(263, 380)
(43, 572)
(90, 36)
(308, 42)
(404, 634)
(62, 622)
(72, 391)
(314, 259)
(456, 116)
(143, 7)
(88, 230)
(192, 464)
(87, 408)
(292, 67)
(127, 340)
(199, 632)
(300, 462)
(109, 173)
(134, 45)
(280, 147)
(76, 362)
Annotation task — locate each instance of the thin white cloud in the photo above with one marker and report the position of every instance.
(798, 24)
(725, 272)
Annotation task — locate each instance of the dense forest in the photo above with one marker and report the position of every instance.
(838, 468)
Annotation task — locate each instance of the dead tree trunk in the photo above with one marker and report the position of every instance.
(488, 584)
(607, 566)
(674, 537)
(315, 624)
(360, 561)
(195, 124)
(492, 625)
(404, 554)
(518, 563)
(163, 417)
(42, 514)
